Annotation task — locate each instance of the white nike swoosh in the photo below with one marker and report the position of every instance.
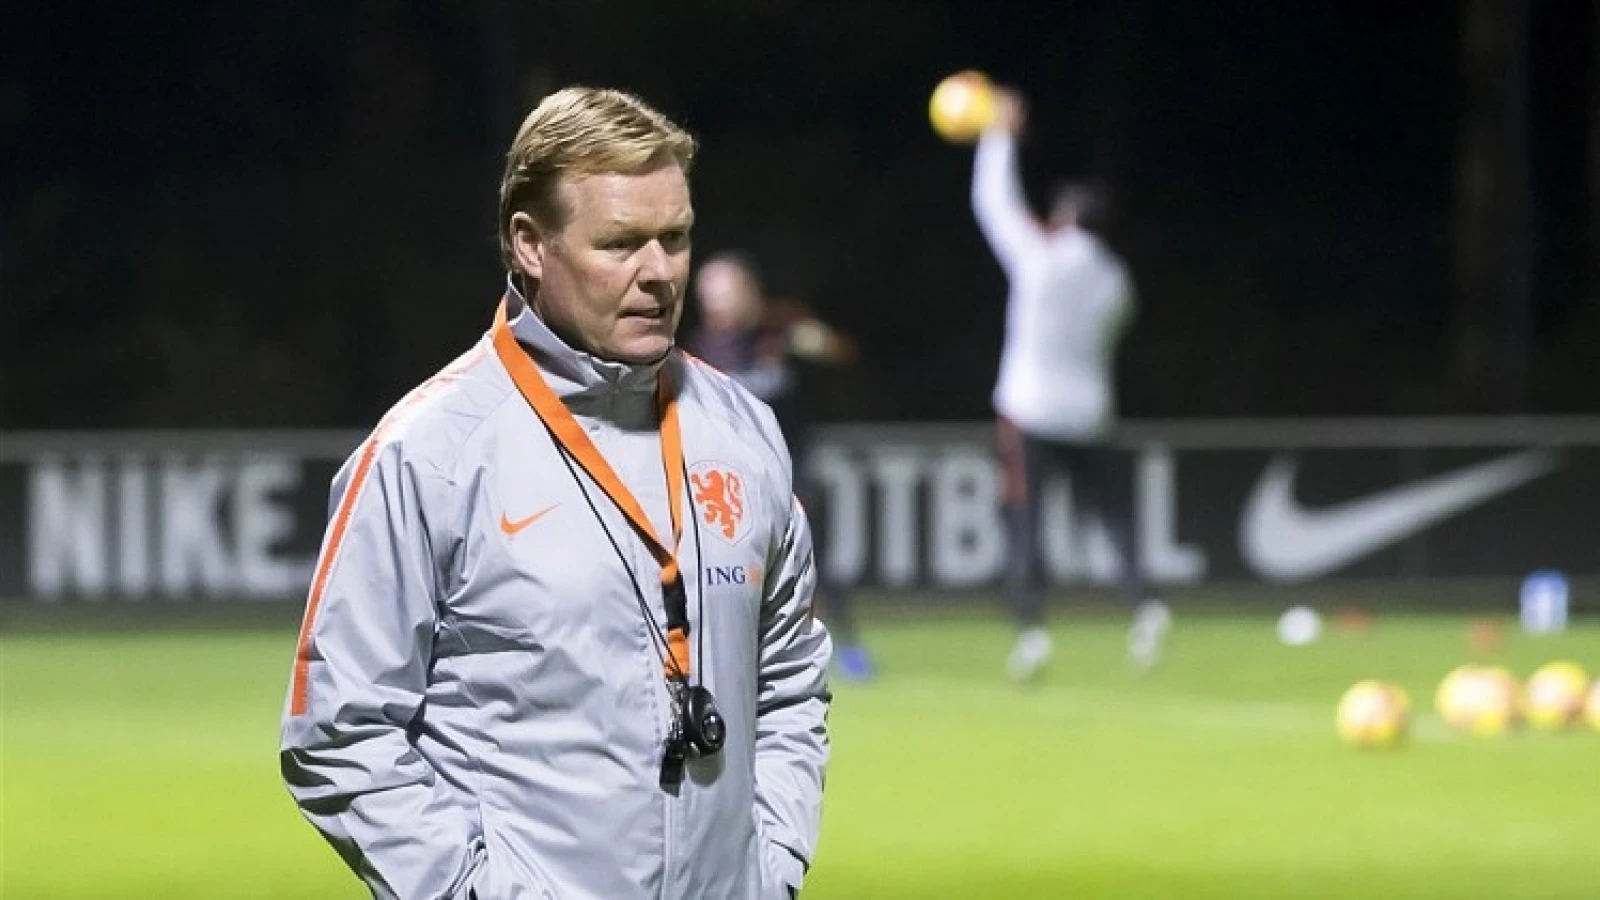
(1283, 541)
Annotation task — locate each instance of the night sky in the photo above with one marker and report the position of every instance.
(282, 213)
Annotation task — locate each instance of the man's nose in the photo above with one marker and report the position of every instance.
(655, 264)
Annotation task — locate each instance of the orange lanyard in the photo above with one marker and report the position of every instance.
(572, 438)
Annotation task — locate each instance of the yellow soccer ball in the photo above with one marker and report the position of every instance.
(962, 106)
(1477, 699)
(1500, 707)
(1373, 715)
(1555, 695)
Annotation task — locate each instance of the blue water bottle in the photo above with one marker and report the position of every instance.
(1544, 602)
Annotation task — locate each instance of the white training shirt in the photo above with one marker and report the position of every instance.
(1069, 301)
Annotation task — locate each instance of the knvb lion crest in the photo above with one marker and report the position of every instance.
(720, 500)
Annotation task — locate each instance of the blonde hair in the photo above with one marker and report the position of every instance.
(581, 131)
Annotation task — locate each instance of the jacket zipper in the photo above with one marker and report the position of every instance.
(666, 798)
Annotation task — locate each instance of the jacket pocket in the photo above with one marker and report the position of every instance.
(509, 875)
(781, 872)
(507, 880)
(477, 862)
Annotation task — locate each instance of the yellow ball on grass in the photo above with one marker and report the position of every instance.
(1478, 699)
(1373, 714)
(1555, 695)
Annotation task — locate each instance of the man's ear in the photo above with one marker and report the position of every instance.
(528, 246)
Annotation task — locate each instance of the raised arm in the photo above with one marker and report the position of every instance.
(997, 197)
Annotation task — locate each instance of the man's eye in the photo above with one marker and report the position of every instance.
(676, 239)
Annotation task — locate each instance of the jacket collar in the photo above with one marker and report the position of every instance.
(572, 371)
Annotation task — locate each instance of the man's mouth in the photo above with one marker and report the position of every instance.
(654, 313)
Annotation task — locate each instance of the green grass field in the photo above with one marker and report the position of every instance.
(144, 766)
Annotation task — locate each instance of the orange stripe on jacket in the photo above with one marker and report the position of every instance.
(300, 686)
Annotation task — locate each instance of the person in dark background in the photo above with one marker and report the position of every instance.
(1069, 305)
(766, 345)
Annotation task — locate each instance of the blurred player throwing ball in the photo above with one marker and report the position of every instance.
(1070, 300)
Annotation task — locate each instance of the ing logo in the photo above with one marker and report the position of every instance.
(718, 491)
(733, 576)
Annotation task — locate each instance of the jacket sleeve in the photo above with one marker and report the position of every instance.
(998, 201)
(792, 709)
(361, 670)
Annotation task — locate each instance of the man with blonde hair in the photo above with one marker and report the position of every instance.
(559, 641)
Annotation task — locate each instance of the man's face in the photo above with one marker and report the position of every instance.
(611, 280)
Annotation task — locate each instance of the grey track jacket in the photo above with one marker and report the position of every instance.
(476, 707)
